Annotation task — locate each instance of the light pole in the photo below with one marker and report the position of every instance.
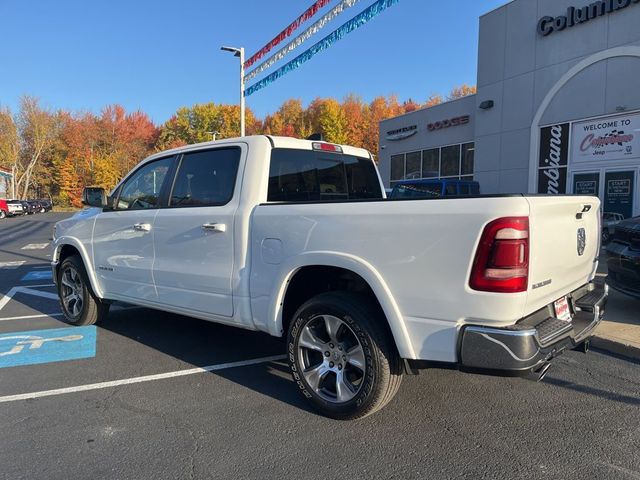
(239, 52)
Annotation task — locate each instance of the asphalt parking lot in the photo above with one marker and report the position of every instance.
(127, 400)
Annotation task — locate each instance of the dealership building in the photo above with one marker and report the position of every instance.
(557, 108)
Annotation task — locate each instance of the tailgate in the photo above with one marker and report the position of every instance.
(564, 246)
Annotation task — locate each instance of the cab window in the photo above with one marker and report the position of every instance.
(305, 175)
(142, 189)
(206, 178)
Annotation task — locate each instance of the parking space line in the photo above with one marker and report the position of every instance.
(29, 291)
(12, 265)
(133, 380)
(35, 246)
(28, 317)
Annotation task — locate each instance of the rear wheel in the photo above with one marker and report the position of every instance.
(79, 304)
(2, 214)
(342, 356)
(606, 236)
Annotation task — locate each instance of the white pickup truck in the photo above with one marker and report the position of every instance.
(295, 238)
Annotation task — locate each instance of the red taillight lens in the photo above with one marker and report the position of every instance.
(327, 147)
(501, 263)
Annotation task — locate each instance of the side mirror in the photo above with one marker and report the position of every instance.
(94, 197)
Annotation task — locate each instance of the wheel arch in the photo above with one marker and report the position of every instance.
(68, 246)
(330, 263)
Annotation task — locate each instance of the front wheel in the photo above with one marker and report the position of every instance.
(2, 214)
(342, 356)
(79, 304)
(606, 236)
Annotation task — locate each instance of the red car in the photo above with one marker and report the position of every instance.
(4, 210)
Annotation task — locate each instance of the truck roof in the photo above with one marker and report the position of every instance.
(276, 142)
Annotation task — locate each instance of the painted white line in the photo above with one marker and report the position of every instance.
(27, 317)
(42, 286)
(12, 265)
(47, 267)
(35, 246)
(36, 293)
(130, 381)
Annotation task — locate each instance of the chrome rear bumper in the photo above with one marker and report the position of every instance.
(535, 340)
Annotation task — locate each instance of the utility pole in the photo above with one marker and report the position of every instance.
(239, 52)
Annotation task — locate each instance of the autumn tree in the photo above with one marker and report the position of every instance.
(37, 129)
(463, 90)
(9, 141)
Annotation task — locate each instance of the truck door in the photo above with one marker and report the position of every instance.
(194, 248)
(123, 238)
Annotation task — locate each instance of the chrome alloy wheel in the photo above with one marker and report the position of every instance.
(332, 359)
(72, 291)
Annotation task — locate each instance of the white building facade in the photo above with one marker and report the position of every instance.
(557, 109)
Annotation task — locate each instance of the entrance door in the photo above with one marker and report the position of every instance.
(586, 183)
(619, 188)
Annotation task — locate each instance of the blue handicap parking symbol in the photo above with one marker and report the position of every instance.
(45, 346)
(37, 275)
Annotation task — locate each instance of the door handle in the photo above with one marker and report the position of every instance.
(142, 227)
(214, 227)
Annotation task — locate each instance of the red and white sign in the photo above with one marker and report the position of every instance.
(561, 307)
(610, 138)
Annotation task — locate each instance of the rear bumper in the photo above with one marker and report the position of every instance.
(535, 340)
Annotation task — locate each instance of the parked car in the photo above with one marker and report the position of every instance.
(294, 238)
(4, 209)
(30, 207)
(609, 222)
(45, 205)
(15, 207)
(623, 257)
(434, 188)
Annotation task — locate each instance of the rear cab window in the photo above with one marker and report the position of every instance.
(312, 176)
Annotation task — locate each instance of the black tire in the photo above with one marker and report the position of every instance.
(91, 309)
(2, 214)
(382, 374)
(606, 236)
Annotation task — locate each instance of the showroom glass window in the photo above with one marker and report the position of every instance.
(397, 167)
(452, 161)
(206, 178)
(413, 166)
(142, 189)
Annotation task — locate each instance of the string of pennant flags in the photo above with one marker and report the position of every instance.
(300, 39)
(356, 22)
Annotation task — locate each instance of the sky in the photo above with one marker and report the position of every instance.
(160, 55)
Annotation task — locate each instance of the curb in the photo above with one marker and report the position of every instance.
(617, 348)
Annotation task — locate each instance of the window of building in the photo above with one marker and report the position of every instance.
(397, 167)
(468, 153)
(413, 165)
(452, 161)
(431, 163)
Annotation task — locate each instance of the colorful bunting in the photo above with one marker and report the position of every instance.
(300, 39)
(353, 24)
(286, 33)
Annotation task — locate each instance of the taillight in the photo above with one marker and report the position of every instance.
(502, 259)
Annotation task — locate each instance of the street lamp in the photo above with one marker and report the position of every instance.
(239, 52)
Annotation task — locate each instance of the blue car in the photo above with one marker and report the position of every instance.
(434, 188)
